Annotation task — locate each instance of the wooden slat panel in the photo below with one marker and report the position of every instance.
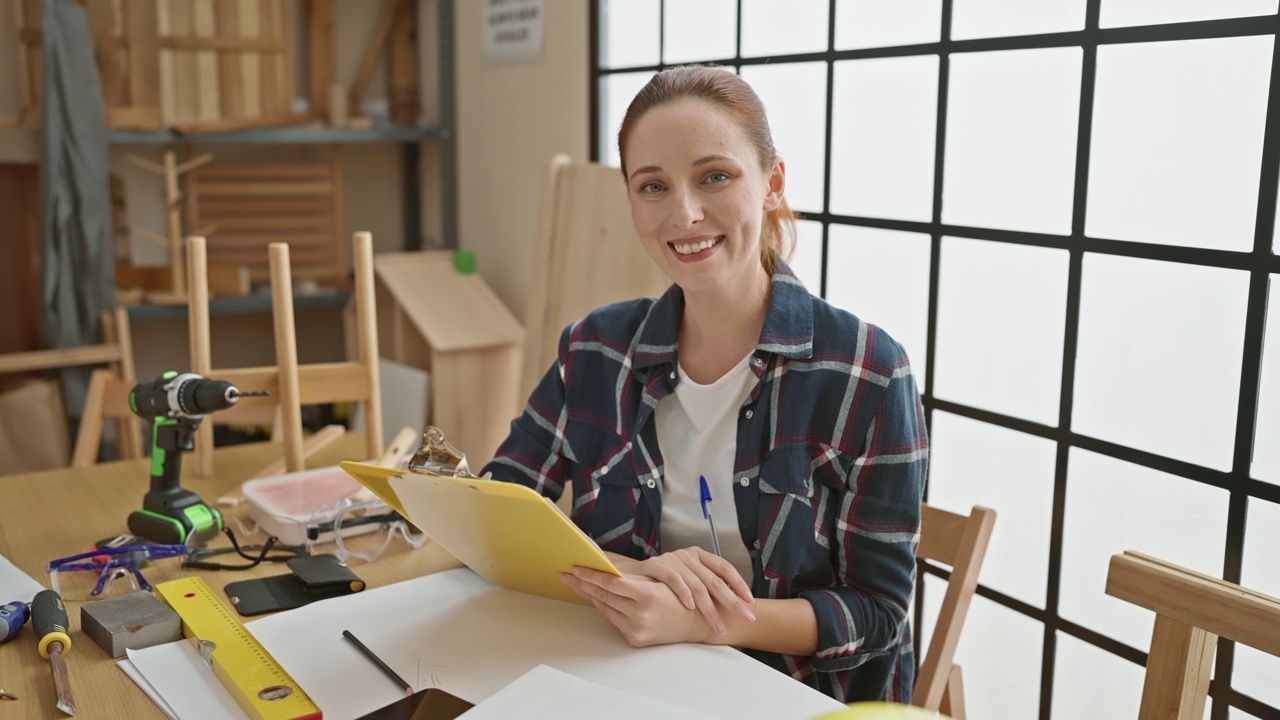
(102, 26)
(270, 87)
(250, 62)
(232, 243)
(208, 96)
(144, 62)
(317, 383)
(185, 75)
(64, 357)
(211, 189)
(300, 222)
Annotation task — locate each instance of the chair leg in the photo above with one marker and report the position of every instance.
(953, 696)
(89, 437)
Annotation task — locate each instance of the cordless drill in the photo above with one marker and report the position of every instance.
(174, 405)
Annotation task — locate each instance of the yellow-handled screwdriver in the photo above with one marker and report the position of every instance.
(49, 620)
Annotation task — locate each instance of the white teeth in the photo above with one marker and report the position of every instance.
(696, 247)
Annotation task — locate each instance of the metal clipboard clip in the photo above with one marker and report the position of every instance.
(438, 456)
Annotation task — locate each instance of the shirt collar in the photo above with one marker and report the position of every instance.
(787, 331)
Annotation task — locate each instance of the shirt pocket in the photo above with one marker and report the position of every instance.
(606, 490)
(792, 518)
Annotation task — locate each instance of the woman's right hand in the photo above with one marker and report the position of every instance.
(699, 580)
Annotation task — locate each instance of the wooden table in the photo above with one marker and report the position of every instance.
(56, 513)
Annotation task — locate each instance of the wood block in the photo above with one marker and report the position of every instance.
(130, 622)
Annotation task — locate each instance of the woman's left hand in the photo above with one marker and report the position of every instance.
(645, 610)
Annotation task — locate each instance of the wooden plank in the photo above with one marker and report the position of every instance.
(320, 55)
(300, 222)
(224, 189)
(258, 241)
(60, 358)
(145, 83)
(186, 76)
(283, 64)
(230, 88)
(402, 67)
(945, 530)
(236, 172)
(373, 52)
(1220, 607)
(250, 62)
(102, 27)
(1178, 669)
(168, 67)
(338, 219)
(236, 207)
(208, 84)
(268, 86)
(220, 43)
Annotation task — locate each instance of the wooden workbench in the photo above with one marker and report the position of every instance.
(56, 513)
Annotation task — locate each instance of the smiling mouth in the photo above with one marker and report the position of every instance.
(692, 248)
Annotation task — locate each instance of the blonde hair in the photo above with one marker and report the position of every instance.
(732, 95)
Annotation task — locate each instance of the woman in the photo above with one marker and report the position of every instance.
(803, 420)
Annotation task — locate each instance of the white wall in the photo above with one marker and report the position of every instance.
(511, 120)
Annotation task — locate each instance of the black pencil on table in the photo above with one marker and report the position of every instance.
(386, 669)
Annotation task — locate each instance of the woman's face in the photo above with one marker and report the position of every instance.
(698, 196)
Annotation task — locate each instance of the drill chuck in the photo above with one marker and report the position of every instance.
(186, 395)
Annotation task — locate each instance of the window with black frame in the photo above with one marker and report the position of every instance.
(1065, 210)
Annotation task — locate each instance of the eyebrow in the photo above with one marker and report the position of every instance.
(696, 163)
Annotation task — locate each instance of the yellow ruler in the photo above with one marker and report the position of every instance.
(261, 687)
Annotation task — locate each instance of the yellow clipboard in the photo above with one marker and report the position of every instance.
(507, 533)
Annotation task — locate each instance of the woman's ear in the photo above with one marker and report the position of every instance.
(777, 185)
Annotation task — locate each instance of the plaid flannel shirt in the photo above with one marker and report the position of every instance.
(828, 474)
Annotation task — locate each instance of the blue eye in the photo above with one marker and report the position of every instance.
(717, 177)
(651, 187)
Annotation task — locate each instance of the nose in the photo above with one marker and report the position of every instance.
(686, 210)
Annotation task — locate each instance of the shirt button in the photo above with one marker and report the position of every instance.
(749, 414)
(604, 470)
(757, 361)
(672, 375)
(744, 482)
(652, 483)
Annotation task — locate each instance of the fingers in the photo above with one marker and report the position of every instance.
(728, 589)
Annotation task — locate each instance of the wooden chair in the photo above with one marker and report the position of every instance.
(961, 542)
(585, 254)
(1192, 612)
(116, 352)
(290, 385)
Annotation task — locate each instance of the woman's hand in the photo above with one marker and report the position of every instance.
(700, 580)
(646, 611)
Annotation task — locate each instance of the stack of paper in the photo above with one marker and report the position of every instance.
(458, 633)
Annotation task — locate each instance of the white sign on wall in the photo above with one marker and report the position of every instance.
(513, 30)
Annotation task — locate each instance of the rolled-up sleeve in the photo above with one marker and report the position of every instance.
(877, 531)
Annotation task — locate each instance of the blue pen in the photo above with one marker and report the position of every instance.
(706, 498)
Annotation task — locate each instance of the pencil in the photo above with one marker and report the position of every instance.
(385, 668)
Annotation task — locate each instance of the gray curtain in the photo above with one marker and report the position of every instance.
(77, 271)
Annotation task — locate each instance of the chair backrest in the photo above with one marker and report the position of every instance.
(585, 254)
(961, 542)
(1192, 612)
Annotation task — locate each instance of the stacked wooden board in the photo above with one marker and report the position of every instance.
(241, 209)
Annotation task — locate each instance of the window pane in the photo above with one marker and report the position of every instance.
(1001, 310)
(1002, 18)
(882, 161)
(1011, 139)
(1158, 364)
(1117, 13)
(770, 27)
(699, 30)
(806, 261)
(882, 276)
(1092, 684)
(1113, 506)
(616, 93)
(1000, 651)
(628, 33)
(1266, 451)
(885, 23)
(1177, 141)
(1255, 672)
(795, 96)
(976, 463)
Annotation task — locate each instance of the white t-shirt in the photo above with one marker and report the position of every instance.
(697, 428)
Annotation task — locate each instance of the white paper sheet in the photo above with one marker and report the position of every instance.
(456, 632)
(15, 584)
(136, 675)
(545, 693)
(184, 682)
